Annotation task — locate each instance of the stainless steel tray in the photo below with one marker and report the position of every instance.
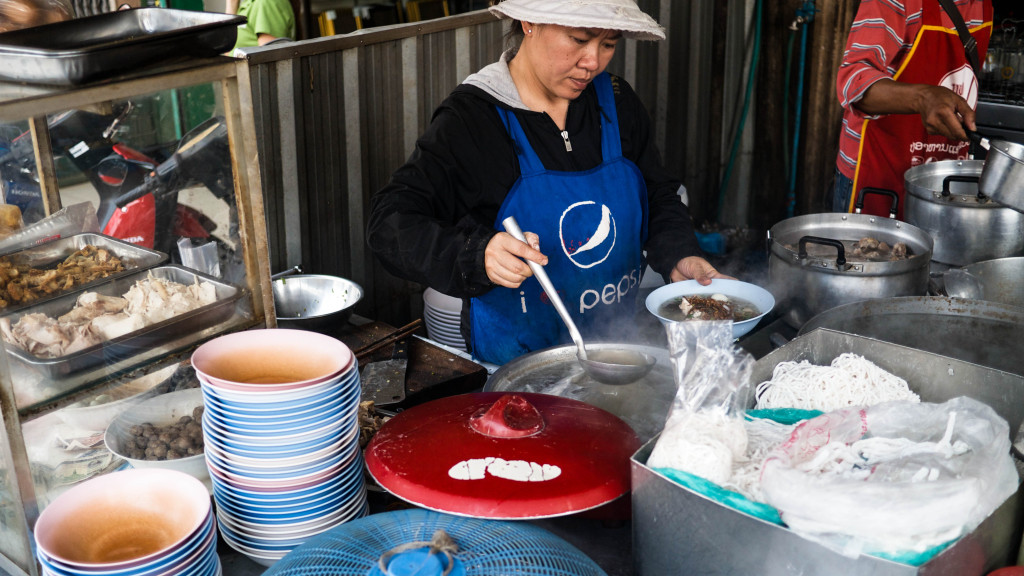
(95, 47)
(151, 336)
(48, 255)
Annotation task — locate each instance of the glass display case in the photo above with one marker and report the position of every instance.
(131, 230)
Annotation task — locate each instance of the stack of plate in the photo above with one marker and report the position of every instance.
(442, 317)
(282, 437)
(130, 523)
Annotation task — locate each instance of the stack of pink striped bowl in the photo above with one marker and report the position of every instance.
(145, 522)
(282, 437)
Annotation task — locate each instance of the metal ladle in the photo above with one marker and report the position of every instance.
(608, 365)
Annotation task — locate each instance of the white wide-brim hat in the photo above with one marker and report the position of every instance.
(622, 15)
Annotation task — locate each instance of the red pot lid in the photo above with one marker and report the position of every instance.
(504, 456)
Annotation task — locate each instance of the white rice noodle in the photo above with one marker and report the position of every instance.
(851, 380)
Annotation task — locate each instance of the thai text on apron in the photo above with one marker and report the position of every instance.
(892, 144)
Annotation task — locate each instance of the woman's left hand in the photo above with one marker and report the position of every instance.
(696, 268)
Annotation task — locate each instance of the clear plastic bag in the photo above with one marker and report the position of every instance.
(898, 480)
(204, 257)
(704, 433)
(18, 14)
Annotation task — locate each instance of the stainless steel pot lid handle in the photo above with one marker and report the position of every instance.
(840, 249)
(979, 139)
(893, 209)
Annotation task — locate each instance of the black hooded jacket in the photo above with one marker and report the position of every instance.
(431, 223)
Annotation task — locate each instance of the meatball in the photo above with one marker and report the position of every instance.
(183, 438)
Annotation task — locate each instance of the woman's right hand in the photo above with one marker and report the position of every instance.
(504, 258)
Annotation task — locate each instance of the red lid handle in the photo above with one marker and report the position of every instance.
(512, 416)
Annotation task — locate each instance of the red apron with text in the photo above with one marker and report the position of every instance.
(893, 144)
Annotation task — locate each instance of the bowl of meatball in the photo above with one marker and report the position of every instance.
(742, 303)
(164, 431)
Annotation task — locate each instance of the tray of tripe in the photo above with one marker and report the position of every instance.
(116, 320)
(43, 272)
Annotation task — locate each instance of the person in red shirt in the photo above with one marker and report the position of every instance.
(908, 91)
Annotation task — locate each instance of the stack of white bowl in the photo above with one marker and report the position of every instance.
(149, 522)
(441, 314)
(282, 437)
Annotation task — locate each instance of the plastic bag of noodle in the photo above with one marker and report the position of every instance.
(898, 480)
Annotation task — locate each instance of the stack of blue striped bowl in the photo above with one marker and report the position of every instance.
(282, 437)
(146, 522)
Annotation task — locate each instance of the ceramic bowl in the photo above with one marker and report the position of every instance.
(271, 360)
(272, 413)
(759, 297)
(282, 399)
(314, 434)
(161, 410)
(332, 472)
(189, 558)
(267, 451)
(262, 528)
(279, 463)
(122, 519)
(283, 497)
(278, 473)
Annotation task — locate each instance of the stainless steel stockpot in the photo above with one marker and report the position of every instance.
(1003, 176)
(805, 285)
(943, 199)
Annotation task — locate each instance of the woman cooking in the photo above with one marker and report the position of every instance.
(546, 136)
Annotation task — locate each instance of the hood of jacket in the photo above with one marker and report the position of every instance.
(495, 80)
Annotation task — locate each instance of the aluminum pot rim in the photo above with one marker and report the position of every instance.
(919, 192)
(923, 244)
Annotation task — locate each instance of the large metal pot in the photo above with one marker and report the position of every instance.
(643, 404)
(805, 285)
(984, 333)
(1003, 176)
(998, 280)
(943, 199)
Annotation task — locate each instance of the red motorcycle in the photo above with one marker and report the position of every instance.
(138, 192)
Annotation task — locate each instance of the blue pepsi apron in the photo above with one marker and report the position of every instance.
(592, 227)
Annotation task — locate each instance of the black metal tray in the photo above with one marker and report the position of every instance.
(130, 344)
(48, 255)
(96, 47)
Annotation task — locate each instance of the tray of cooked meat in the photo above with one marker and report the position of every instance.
(116, 320)
(46, 271)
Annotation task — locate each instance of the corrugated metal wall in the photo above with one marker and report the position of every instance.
(338, 115)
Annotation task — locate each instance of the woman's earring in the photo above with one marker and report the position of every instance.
(529, 30)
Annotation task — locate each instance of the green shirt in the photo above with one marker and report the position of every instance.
(274, 17)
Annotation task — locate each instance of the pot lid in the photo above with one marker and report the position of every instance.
(785, 239)
(556, 371)
(504, 456)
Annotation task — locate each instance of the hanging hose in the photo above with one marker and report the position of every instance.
(751, 74)
(785, 100)
(804, 15)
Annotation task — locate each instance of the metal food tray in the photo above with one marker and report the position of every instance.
(85, 49)
(674, 526)
(48, 255)
(151, 336)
